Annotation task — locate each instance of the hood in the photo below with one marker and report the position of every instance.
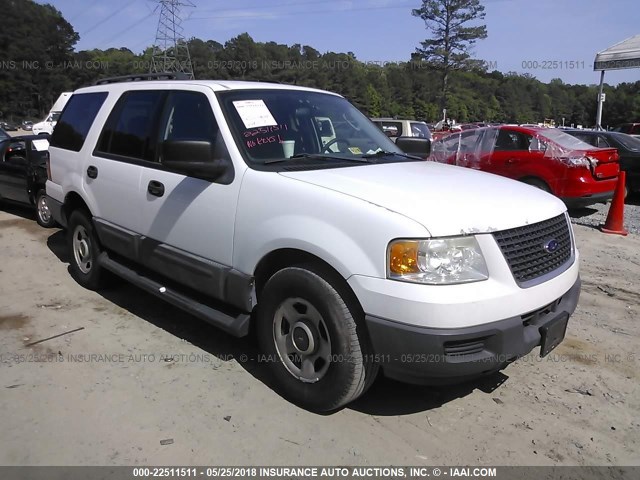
(445, 199)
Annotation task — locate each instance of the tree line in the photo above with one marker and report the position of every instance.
(38, 62)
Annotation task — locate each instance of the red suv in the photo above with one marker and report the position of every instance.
(546, 158)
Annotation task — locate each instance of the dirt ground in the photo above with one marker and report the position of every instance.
(140, 382)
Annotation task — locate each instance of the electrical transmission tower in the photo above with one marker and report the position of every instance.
(170, 50)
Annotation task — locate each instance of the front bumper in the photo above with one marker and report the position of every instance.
(422, 355)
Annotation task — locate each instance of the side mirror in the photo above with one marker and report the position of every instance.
(420, 147)
(193, 158)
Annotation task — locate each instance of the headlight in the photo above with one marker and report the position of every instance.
(436, 261)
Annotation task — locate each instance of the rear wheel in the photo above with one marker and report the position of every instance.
(43, 214)
(84, 250)
(312, 340)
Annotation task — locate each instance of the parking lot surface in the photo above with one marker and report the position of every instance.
(121, 378)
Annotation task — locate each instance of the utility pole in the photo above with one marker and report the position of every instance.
(170, 50)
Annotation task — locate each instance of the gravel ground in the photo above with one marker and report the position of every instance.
(595, 215)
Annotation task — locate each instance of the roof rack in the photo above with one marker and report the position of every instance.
(137, 77)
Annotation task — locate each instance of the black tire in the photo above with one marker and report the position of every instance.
(536, 182)
(306, 294)
(84, 250)
(43, 214)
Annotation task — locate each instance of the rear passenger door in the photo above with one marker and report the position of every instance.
(188, 222)
(125, 147)
(512, 156)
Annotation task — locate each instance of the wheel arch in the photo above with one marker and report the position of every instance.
(292, 257)
(74, 201)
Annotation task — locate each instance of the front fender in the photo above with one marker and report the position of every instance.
(348, 233)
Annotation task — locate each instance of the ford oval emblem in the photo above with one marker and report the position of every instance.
(551, 245)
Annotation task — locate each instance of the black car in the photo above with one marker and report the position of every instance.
(9, 127)
(628, 149)
(628, 128)
(23, 173)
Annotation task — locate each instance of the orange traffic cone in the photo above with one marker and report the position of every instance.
(615, 218)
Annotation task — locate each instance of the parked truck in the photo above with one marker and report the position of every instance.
(46, 126)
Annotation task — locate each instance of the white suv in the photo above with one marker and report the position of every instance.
(346, 254)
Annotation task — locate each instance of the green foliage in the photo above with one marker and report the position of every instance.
(451, 38)
(40, 36)
(33, 39)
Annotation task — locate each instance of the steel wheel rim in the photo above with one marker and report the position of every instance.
(82, 249)
(302, 340)
(43, 210)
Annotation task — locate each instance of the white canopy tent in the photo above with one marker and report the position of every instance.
(621, 56)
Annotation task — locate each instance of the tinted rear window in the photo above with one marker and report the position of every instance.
(630, 143)
(129, 131)
(76, 120)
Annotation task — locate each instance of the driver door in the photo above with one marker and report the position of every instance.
(188, 222)
(13, 175)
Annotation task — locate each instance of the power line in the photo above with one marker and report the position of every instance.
(113, 14)
(82, 12)
(288, 4)
(129, 27)
(170, 49)
(333, 11)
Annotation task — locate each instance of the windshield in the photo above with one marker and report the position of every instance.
(3, 135)
(627, 141)
(272, 125)
(564, 140)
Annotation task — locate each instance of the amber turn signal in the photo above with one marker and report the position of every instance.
(403, 257)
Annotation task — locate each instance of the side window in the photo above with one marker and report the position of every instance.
(77, 118)
(451, 143)
(509, 141)
(188, 116)
(602, 142)
(590, 139)
(535, 144)
(419, 130)
(391, 129)
(129, 131)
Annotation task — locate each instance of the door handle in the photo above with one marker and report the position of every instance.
(511, 161)
(155, 188)
(92, 172)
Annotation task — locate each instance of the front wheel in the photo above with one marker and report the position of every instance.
(43, 214)
(312, 341)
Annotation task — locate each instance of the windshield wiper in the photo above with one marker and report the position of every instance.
(316, 156)
(385, 153)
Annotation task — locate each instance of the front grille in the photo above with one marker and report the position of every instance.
(537, 249)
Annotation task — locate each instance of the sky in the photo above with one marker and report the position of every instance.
(545, 38)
